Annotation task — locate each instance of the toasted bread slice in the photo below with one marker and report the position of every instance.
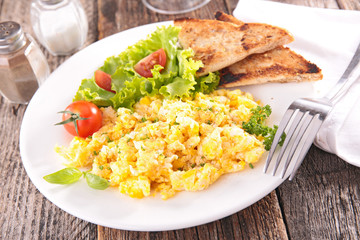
(220, 44)
(277, 65)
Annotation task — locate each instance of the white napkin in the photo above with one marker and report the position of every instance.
(331, 37)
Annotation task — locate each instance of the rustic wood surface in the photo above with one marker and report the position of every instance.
(323, 202)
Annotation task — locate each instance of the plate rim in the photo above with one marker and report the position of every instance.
(150, 227)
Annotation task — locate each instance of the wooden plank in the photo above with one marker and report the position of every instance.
(349, 4)
(25, 213)
(263, 220)
(130, 14)
(323, 202)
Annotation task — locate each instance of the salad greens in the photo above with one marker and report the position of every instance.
(177, 79)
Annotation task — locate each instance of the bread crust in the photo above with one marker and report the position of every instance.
(220, 44)
(277, 65)
(221, 16)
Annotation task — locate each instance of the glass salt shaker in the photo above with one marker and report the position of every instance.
(23, 66)
(60, 25)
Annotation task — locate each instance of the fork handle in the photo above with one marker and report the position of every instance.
(340, 87)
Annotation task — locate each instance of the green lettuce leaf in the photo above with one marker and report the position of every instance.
(177, 80)
(207, 84)
(91, 92)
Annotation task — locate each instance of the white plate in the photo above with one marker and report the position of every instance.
(230, 194)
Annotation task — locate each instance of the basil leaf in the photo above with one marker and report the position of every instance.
(96, 182)
(64, 176)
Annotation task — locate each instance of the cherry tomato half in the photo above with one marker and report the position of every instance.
(145, 65)
(103, 80)
(81, 118)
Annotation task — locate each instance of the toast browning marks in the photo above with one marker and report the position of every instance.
(219, 44)
(277, 65)
(221, 16)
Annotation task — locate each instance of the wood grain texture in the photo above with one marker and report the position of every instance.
(349, 4)
(25, 213)
(321, 203)
(263, 220)
(326, 190)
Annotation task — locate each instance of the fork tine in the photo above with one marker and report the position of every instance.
(284, 122)
(305, 124)
(295, 124)
(307, 144)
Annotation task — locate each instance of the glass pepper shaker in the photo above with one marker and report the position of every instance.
(60, 25)
(23, 66)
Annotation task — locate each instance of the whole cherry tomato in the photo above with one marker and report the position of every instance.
(81, 118)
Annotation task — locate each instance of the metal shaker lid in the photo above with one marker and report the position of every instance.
(12, 37)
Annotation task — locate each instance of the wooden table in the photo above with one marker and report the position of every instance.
(323, 202)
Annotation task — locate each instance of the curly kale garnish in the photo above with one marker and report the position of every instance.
(256, 125)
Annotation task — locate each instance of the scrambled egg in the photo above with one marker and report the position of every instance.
(167, 146)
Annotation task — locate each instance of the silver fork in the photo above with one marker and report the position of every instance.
(303, 120)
